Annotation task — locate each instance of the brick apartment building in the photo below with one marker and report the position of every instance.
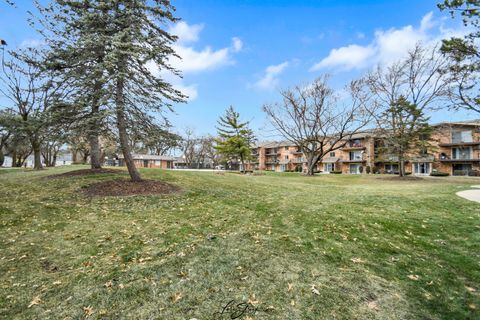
(455, 149)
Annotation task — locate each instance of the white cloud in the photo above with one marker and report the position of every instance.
(31, 43)
(348, 57)
(194, 60)
(270, 78)
(386, 47)
(186, 33)
(237, 44)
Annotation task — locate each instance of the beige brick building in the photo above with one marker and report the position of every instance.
(455, 149)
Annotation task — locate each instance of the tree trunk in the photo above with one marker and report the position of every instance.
(37, 154)
(14, 159)
(95, 154)
(2, 157)
(401, 166)
(243, 164)
(122, 131)
(311, 165)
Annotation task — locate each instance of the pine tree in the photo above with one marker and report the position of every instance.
(406, 131)
(77, 33)
(235, 137)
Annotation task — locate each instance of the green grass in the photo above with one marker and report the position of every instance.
(373, 248)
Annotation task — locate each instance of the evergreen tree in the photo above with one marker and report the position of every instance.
(464, 54)
(405, 130)
(235, 137)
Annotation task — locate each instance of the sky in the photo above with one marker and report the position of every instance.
(241, 53)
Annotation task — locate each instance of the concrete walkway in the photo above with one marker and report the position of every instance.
(472, 195)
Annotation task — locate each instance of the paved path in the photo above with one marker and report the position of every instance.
(472, 195)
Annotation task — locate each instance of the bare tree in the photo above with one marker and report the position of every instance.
(313, 118)
(32, 93)
(403, 93)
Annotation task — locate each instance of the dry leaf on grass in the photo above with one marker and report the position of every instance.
(413, 277)
(290, 287)
(177, 297)
(36, 300)
(88, 311)
(314, 290)
(252, 300)
(357, 260)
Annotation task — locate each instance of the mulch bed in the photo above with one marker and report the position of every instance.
(85, 172)
(129, 188)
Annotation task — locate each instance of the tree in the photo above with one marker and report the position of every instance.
(137, 39)
(405, 130)
(77, 33)
(405, 91)
(312, 118)
(464, 54)
(235, 138)
(33, 93)
(7, 121)
(209, 150)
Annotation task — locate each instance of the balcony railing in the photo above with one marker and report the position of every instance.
(455, 143)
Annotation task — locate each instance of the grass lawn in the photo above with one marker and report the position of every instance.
(328, 247)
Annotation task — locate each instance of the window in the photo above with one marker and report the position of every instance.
(329, 167)
(157, 162)
(286, 148)
(332, 154)
(356, 143)
(462, 153)
(286, 157)
(355, 155)
(462, 136)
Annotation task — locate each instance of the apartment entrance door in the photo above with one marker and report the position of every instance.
(355, 168)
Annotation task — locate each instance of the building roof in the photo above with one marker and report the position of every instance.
(137, 156)
(475, 123)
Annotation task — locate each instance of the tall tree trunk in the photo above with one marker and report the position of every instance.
(2, 157)
(243, 164)
(311, 165)
(122, 131)
(37, 155)
(95, 154)
(401, 166)
(14, 159)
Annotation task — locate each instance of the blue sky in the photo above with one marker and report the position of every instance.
(241, 52)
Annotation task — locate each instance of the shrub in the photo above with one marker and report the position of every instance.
(368, 169)
(439, 174)
(336, 171)
(375, 170)
(361, 169)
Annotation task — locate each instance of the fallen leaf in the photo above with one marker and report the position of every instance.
(177, 297)
(57, 282)
(290, 287)
(472, 306)
(88, 311)
(413, 277)
(292, 302)
(314, 290)
(373, 305)
(252, 300)
(470, 289)
(357, 260)
(36, 300)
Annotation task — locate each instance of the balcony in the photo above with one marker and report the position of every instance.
(458, 144)
(271, 161)
(272, 152)
(296, 152)
(298, 160)
(353, 146)
(461, 159)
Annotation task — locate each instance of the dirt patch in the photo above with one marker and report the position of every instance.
(114, 188)
(85, 172)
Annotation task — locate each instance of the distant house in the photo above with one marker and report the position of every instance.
(149, 161)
